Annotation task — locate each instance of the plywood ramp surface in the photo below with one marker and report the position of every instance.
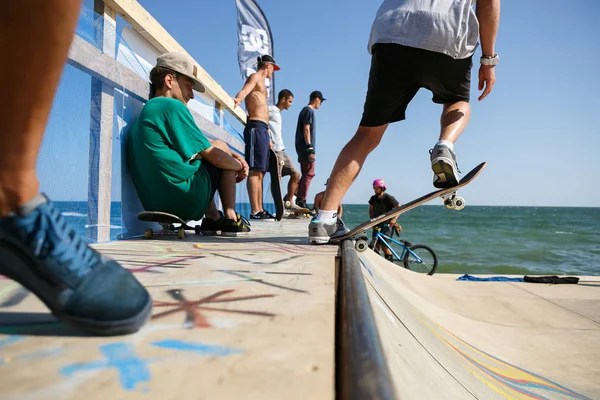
(448, 339)
(249, 317)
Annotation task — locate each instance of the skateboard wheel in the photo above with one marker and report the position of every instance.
(197, 229)
(181, 233)
(458, 203)
(148, 234)
(361, 245)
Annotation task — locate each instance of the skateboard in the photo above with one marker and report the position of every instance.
(298, 213)
(451, 200)
(167, 221)
(274, 163)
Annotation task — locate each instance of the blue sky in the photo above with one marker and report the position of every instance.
(537, 130)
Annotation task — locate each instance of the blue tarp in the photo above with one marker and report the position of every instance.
(468, 277)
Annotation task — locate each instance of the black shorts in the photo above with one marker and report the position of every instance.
(384, 228)
(398, 72)
(256, 139)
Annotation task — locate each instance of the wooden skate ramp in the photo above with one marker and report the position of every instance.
(451, 339)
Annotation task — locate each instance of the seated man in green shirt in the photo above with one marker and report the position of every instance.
(174, 168)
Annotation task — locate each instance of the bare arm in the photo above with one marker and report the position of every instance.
(393, 220)
(250, 84)
(220, 159)
(488, 15)
(370, 211)
(307, 133)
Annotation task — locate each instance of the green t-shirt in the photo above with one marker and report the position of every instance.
(160, 144)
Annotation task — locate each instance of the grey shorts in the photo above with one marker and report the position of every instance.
(287, 168)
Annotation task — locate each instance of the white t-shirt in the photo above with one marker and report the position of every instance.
(275, 128)
(445, 26)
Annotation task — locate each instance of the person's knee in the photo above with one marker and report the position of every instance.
(221, 145)
(295, 176)
(367, 138)
(256, 173)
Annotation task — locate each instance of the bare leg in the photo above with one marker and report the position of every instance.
(293, 185)
(211, 211)
(110, 301)
(227, 193)
(386, 251)
(349, 164)
(226, 189)
(38, 34)
(255, 181)
(454, 120)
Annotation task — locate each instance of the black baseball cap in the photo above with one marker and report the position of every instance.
(317, 95)
(265, 58)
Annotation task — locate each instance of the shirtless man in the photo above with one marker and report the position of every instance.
(256, 132)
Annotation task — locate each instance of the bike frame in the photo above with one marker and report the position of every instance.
(383, 239)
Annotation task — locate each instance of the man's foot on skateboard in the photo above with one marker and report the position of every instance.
(81, 287)
(445, 169)
(289, 206)
(320, 231)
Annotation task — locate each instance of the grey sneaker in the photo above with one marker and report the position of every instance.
(445, 169)
(319, 232)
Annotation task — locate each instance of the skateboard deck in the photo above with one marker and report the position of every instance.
(167, 221)
(276, 184)
(299, 213)
(446, 194)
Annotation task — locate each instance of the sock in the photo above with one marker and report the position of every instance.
(327, 216)
(446, 143)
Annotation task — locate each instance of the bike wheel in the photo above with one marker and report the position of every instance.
(427, 263)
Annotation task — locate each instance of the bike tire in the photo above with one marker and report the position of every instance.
(429, 264)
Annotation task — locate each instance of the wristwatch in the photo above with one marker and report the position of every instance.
(490, 60)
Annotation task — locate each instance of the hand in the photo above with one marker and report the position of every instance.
(487, 76)
(242, 173)
(236, 102)
(312, 157)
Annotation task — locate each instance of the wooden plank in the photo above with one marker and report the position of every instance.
(234, 318)
(89, 59)
(213, 131)
(101, 132)
(145, 24)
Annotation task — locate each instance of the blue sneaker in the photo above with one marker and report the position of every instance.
(319, 232)
(81, 287)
